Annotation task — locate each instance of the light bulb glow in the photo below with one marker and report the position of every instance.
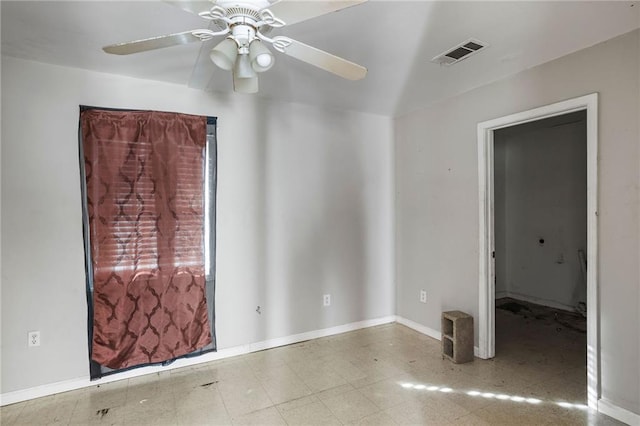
(264, 59)
(261, 58)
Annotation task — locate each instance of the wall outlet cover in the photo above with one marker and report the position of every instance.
(33, 339)
(326, 300)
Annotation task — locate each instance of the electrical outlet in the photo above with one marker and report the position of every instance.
(326, 300)
(33, 338)
(423, 296)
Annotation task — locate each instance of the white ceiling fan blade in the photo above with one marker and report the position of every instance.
(151, 43)
(204, 69)
(192, 6)
(326, 61)
(294, 11)
(245, 85)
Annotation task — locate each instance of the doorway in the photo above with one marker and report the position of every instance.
(487, 193)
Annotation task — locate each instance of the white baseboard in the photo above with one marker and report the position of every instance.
(502, 294)
(536, 300)
(427, 331)
(618, 413)
(83, 382)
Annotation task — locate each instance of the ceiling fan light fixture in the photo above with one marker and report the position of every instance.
(224, 54)
(261, 58)
(243, 67)
(245, 85)
(244, 51)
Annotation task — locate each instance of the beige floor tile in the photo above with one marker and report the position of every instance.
(107, 416)
(431, 409)
(308, 366)
(469, 402)
(151, 418)
(311, 414)
(386, 368)
(375, 376)
(164, 407)
(501, 383)
(504, 413)
(161, 400)
(47, 410)
(105, 396)
(350, 406)
(275, 372)
(470, 420)
(260, 361)
(285, 389)
(233, 369)
(87, 413)
(208, 414)
(560, 389)
(243, 396)
(146, 392)
(148, 379)
(332, 392)
(189, 379)
(9, 413)
(198, 397)
(322, 380)
(267, 416)
(296, 403)
(348, 370)
(553, 414)
(597, 419)
(388, 393)
(367, 381)
(377, 419)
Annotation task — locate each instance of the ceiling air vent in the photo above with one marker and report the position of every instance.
(460, 52)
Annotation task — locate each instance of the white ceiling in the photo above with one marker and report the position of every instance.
(395, 40)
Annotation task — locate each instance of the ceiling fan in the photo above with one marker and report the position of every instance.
(245, 24)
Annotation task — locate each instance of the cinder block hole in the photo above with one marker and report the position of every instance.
(447, 327)
(447, 347)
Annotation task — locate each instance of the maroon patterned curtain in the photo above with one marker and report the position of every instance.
(144, 184)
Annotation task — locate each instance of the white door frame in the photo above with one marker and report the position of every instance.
(486, 313)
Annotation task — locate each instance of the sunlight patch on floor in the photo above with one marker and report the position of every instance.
(490, 395)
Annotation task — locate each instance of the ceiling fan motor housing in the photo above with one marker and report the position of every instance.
(243, 34)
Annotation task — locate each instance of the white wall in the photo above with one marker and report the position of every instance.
(305, 207)
(541, 179)
(500, 217)
(437, 197)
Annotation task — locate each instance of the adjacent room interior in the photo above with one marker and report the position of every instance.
(342, 186)
(540, 217)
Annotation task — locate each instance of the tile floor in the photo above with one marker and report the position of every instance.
(383, 375)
